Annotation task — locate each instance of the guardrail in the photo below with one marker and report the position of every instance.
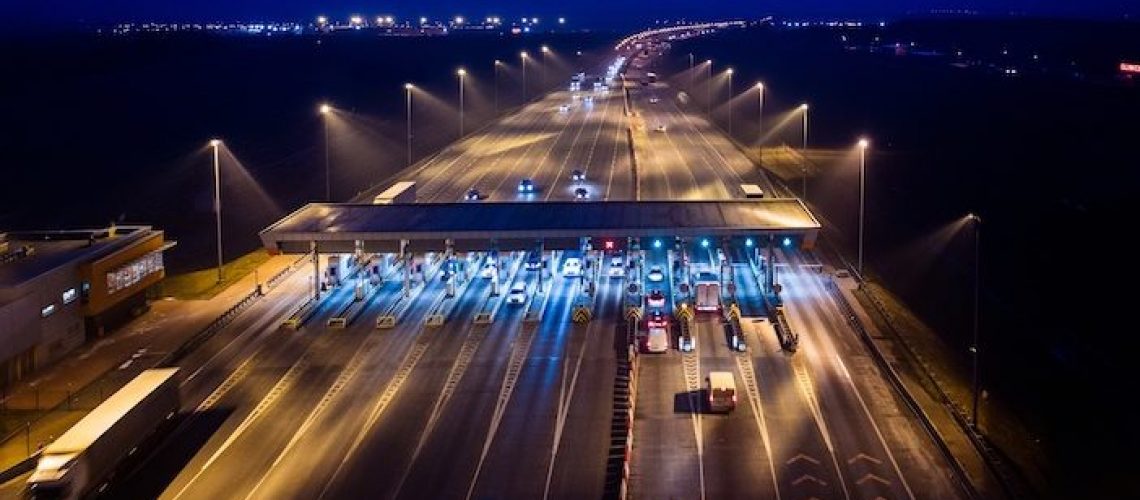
(897, 384)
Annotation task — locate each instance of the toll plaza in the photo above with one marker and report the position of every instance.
(385, 238)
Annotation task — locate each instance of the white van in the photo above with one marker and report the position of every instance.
(517, 294)
(658, 340)
(722, 392)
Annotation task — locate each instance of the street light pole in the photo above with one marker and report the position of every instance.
(974, 349)
(522, 56)
(215, 143)
(325, 110)
(729, 71)
(498, 63)
(408, 97)
(462, 73)
(708, 89)
(863, 144)
(803, 155)
(545, 50)
(760, 110)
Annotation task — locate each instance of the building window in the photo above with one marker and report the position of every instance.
(47, 310)
(69, 295)
(134, 272)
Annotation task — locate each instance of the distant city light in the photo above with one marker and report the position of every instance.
(562, 20)
(458, 19)
(423, 20)
(389, 19)
(534, 20)
(356, 20)
(322, 20)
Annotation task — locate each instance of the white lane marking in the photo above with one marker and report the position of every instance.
(691, 366)
(874, 425)
(347, 374)
(393, 387)
(807, 390)
(565, 399)
(283, 384)
(586, 114)
(744, 364)
(510, 378)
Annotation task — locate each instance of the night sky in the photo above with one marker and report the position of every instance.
(581, 13)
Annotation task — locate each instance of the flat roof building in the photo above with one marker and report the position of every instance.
(59, 289)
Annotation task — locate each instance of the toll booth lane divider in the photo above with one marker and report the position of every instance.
(439, 315)
(395, 312)
(491, 305)
(352, 310)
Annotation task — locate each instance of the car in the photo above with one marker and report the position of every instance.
(571, 267)
(655, 274)
(660, 127)
(517, 295)
(589, 99)
(657, 341)
(563, 109)
(655, 299)
(617, 268)
(473, 195)
(687, 344)
(526, 186)
(654, 100)
(488, 270)
(533, 261)
(575, 97)
(842, 273)
(577, 176)
(581, 193)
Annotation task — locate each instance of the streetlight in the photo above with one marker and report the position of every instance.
(408, 97)
(498, 64)
(325, 109)
(523, 57)
(803, 155)
(545, 50)
(863, 144)
(215, 144)
(729, 71)
(760, 120)
(462, 73)
(977, 286)
(708, 88)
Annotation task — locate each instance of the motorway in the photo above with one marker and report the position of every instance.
(520, 407)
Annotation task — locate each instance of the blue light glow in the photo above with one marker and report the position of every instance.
(656, 243)
(748, 242)
(787, 242)
(705, 243)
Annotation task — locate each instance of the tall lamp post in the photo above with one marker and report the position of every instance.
(863, 144)
(498, 64)
(974, 348)
(803, 155)
(523, 57)
(325, 110)
(729, 71)
(760, 109)
(215, 144)
(708, 88)
(462, 73)
(408, 98)
(545, 51)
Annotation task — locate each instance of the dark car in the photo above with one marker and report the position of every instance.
(577, 176)
(581, 193)
(473, 195)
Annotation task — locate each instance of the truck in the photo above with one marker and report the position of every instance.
(707, 287)
(722, 392)
(752, 191)
(85, 457)
(333, 272)
(400, 192)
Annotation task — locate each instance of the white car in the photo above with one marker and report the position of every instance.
(488, 270)
(654, 100)
(658, 340)
(571, 267)
(617, 268)
(660, 127)
(655, 274)
(517, 295)
(563, 109)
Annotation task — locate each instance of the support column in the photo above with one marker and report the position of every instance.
(494, 256)
(362, 270)
(541, 263)
(407, 259)
(449, 266)
(316, 270)
(769, 267)
(726, 268)
(590, 266)
(684, 249)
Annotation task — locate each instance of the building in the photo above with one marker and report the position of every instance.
(59, 289)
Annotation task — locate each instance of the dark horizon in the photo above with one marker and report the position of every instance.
(64, 15)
